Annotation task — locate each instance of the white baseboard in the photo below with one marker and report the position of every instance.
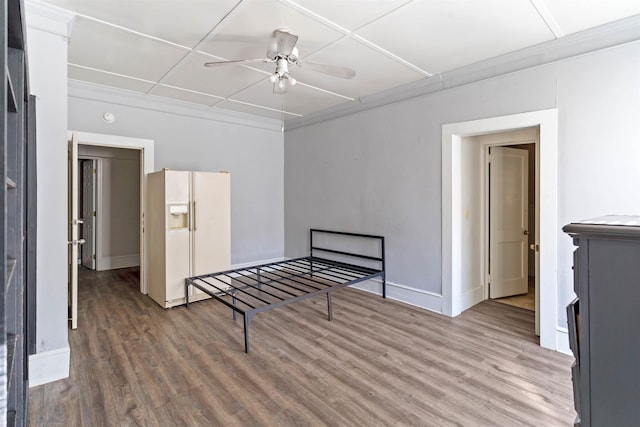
(562, 341)
(405, 294)
(472, 297)
(122, 261)
(49, 366)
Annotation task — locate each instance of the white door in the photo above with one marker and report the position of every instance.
(508, 222)
(74, 241)
(89, 168)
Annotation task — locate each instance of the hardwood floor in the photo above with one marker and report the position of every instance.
(377, 363)
(526, 301)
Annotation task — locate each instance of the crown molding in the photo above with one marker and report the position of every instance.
(44, 17)
(90, 91)
(598, 38)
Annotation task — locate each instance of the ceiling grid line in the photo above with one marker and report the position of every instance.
(266, 108)
(129, 30)
(541, 7)
(293, 5)
(84, 67)
(391, 55)
(197, 47)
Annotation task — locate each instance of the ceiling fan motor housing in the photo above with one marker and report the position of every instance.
(282, 67)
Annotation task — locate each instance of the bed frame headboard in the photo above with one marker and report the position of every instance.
(380, 259)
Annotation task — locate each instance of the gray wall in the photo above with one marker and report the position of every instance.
(379, 171)
(121, 209)
(253, 155)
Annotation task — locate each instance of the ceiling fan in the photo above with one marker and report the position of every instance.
(282, 52)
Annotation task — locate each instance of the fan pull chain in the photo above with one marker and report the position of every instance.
(282, 113)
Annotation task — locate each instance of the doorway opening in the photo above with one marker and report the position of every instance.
(114, 195)
(499, 181)
(454, 238)
(109, 205)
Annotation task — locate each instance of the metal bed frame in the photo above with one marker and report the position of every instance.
(252, 290)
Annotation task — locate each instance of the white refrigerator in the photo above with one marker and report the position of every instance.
(189, 230)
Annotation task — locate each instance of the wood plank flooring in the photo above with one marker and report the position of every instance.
(377, 363)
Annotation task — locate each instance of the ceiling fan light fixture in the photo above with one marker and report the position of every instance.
(283, 52)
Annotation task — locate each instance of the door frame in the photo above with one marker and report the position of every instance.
(146, 147)
(546, 234)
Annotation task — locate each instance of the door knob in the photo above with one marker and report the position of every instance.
(526, 232)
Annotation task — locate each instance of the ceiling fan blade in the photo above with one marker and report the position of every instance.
(237, 61)
(332, 70)
(285, 42)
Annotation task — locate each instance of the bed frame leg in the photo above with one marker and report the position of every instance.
(246, 333)
(186, 293)
(384, 286)
(329, 308)
(233, 297)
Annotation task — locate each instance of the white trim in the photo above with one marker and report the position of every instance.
(49, 366)
(562, 341)
(472, 297)
(121, 261)
(259, 262)
(84, 90)
(404, 294)
(45, 17)
(146, 146)
(452, 135)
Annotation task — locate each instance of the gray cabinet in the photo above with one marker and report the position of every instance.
(17, 214)
(604, 321)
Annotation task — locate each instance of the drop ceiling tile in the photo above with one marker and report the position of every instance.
(185, 22)
(106, 79)
(221, 81)
(351, 14)
(106, 48)
(375, 72)
(438, 36)
(246, 33)
(574, 15)
(184, 95)
(299, 99)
